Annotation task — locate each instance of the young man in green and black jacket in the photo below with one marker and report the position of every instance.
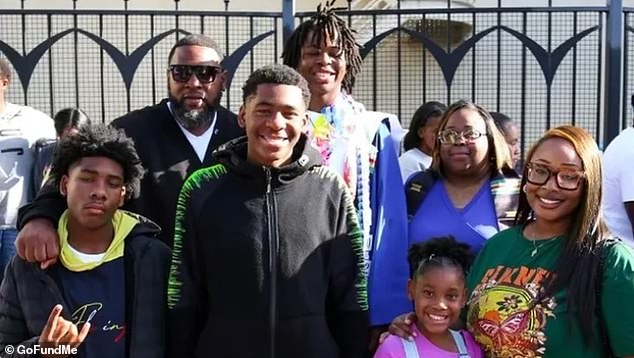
(267, 258)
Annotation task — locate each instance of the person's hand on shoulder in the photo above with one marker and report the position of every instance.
(401, 326)
(38, 242)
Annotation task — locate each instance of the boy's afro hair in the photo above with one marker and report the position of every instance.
(99, 140)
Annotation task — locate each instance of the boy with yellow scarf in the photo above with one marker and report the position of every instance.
(106, 294)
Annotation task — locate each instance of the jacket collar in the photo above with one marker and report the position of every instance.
(234, 156)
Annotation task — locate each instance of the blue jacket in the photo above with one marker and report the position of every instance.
(389, 218)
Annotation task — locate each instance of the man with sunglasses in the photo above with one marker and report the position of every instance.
(173, 138)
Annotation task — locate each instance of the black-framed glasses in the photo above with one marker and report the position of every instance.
(450, 136)
(566, 179)
(205, 74)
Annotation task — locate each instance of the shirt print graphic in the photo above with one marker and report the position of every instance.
(89, 313)
(506, 314)
(14, 166)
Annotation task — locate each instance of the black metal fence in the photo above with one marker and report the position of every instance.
(109, 62)
(541, 66)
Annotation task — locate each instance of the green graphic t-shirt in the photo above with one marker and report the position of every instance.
(502, 314)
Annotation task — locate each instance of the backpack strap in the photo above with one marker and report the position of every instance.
(505, 192)
(416, 188)
(410, 348)
(43, 142)
(412, 352)
(458, 339)
(603, 328)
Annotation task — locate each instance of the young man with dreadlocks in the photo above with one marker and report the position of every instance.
(356, 143)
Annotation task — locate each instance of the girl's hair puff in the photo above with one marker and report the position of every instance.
(442, 251)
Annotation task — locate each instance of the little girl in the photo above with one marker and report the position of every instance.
(437, 286)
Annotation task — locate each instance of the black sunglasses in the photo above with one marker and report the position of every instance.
(205, 74)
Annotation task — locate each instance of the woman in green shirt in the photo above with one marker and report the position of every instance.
(538, 289)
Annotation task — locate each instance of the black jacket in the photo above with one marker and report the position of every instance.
(267, 262)
(166, 155)
(28, 294)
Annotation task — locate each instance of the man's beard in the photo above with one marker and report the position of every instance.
(195, 118)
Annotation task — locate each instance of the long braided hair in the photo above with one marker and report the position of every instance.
(326, 24)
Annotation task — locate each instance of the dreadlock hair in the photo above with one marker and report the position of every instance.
(326, 24)
(442, 251)
(99, 140)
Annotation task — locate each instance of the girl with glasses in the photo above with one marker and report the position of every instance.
(518, 305)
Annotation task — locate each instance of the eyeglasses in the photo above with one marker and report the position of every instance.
(449, 136)
(205, 74)
(567, 179)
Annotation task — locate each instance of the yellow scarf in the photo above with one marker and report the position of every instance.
(123, 225)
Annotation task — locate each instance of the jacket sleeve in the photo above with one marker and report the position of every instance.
(185, 297)
(13, 329)
(388, 269)
(48, 204)
(347, 307)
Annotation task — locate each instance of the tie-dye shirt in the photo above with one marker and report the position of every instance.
(340, 134)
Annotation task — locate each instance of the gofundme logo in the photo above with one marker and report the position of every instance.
(63, 350)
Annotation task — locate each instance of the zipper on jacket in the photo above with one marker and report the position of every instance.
(273, 247)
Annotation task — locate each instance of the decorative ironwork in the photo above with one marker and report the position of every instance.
(519, 61)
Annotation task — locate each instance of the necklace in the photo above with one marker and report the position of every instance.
(537, 247)
(543, 241)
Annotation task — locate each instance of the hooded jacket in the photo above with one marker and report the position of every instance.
(28, 294)
(267, 262)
